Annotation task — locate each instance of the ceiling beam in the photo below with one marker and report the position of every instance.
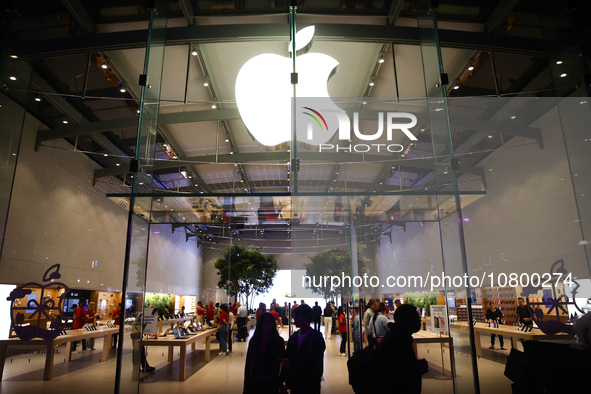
(395, 8)
(280, 32)
(499, 15)
(187, 9)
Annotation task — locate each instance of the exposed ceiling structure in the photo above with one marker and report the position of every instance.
(84, 86)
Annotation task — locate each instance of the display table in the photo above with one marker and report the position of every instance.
(424, 321)
(73, 335)
(171, 342)
(426, 337)
(172, 322)
(508, 331)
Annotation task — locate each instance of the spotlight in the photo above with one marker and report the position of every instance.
(559, 62)
(205, 83)
(470, 68)
(37, 99)
(194, 52)
(12, 78)
(213, 106)
(104, 66)
(14, 56)
(65, 121)
(122, 89)
(372, 82)
(562, 75)
(456, 87)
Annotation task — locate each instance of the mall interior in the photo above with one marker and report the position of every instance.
(145, 144)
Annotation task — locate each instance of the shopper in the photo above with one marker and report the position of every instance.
(262, 309)
(273, 312)
(305, 354)
(139, 351)
(379, 325)
(242, 314)
(397, 303)
(494, 315)
(342, 330)
(90, 313)
(317, 315)
(216, 314)
(334, 318)
(223, 328)
(263, 358)
(284, 313)
(356, 329)
(523, 313)
(231, 322)
(396, 353)
(117, 320)
(182, 311)
(369, 312)
(327, 321)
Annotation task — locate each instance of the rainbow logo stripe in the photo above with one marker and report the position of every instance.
(315, 118)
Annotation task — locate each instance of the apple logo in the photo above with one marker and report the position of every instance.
(264, 92)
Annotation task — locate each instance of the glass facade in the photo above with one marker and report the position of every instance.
(390, 150)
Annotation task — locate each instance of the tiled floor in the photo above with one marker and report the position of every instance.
(225, 374)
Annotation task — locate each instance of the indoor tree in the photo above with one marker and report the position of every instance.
(246, 272)
(334, 262)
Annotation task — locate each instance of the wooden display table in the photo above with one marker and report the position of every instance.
(508, 331)
(426, 337)
(73, 335)
(172, 322)
(424, 321)
(171, 342)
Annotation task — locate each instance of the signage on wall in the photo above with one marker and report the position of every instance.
(264, 92)
(39, 312)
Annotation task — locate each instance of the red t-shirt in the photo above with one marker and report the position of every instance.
(224, 316)
(80, 314)
(209, 311)
(200, 311)
(342, 323)
(117, 317)
(275, 315)
(387, 309)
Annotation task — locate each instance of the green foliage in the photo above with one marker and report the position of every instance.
(250, 272)
(422, 299)
(160, 301)
(334, 262)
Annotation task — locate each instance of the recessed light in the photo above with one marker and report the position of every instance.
(12, 78)
(371, 83)
(231, 153)
(64, 121)
(138, 111)
(117, 164)
(14, 56)
(562, 75)
(470, 68)
(104, 66)
(213, 106)
(365, 102)
(227, 140)
(490, 136)
(105, 155)
(194, 52)
(122, 90)
(456, 87)
(205, 84)
(381, 60)
(37, 99)
(513, 117)
(559, 62)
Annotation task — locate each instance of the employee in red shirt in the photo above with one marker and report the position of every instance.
(276, 317)
(223, 313)
(200, 312)
(80, 320)
(342, 329)
(209, 311)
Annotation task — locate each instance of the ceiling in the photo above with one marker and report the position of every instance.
(202, 150)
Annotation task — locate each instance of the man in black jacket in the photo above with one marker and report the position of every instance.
(317, 313)
(305, 354)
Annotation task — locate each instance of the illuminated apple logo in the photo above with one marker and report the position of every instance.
(264, 92)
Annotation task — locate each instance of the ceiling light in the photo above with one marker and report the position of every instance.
(122, 89)
(205, 83)
(456, 87)
(227, 140)
(559, 62)
(231, 153)
(490, 136)
(194, 52)
(513, 117)
(105, 155)
(562, 75)
(371, 83)
(12, 78)
(104, 66)
(138, 111)
(213, 106)
(471, 68)
(365, 102)
(65, 121)
(37, 99)
(175, 156)
(117, 164)
(14, 56)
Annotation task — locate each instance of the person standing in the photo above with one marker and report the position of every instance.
(209, 311)
(327, 321)
(223, 329)
(80, 320)
(305, 355)
(369, 312)
(523, 313)
(342, 330)
(334, 318)
(242, 312)
(317, 314)
(379, 325)
(262, 309)
(265, 349)
(117, 320)
(283, 314)
(231, 322)
(90, 313)
(200, 312)
(136, 335)
(494, 315)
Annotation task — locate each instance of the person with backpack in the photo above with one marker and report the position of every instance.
(327, 321)
(379, 325)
